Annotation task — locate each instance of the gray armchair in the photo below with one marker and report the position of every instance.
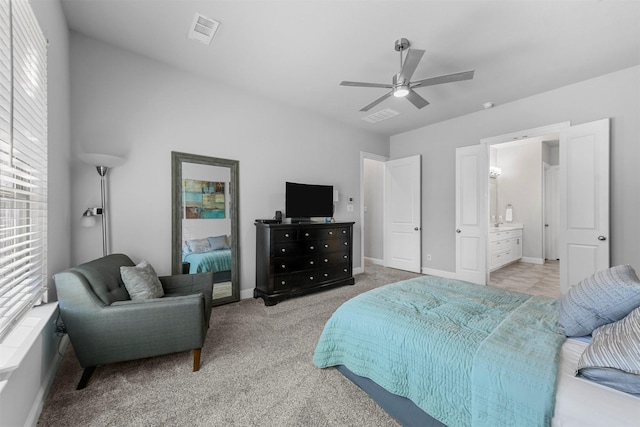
(106, 326)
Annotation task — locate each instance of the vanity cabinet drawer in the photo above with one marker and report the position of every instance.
(504, 247)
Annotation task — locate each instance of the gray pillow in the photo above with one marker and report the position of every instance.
(141, 281)
(605, 297)
(613, 356)
(199, 245)
(218, 242)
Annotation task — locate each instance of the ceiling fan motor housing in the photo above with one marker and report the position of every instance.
(402, 44)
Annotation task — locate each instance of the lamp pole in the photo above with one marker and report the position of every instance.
(102, 171)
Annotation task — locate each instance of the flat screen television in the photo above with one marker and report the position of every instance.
(303, 201)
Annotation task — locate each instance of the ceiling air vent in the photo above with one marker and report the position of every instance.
(202, 29)
(381, 115)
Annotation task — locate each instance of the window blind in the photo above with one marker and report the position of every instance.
(23, 161)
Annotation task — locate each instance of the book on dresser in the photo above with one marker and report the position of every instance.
(294, 259)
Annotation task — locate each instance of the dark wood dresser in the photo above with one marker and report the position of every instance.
(294, 259)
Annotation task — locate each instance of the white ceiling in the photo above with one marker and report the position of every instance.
(297, 52)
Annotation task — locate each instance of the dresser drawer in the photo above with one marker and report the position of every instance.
(335, 272)
(292, 264)
(301, 279)
(334, 258)
(286, 249)
(285, 235)
(333, 245)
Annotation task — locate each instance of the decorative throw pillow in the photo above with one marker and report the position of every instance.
(218, 242)
(141, 281)
(199, 245)
(613, 356)
(605, 297)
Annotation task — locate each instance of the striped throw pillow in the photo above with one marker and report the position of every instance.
(612, 358)
(606, 297)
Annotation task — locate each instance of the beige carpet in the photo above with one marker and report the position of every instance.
(256, 370)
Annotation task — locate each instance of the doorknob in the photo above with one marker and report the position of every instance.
(546, 225)
(602, 238)
(458, 230)
(417, 228)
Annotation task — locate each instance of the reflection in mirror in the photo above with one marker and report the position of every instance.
(205, 221)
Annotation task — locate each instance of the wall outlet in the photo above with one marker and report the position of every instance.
(349, 208)
(428, 257)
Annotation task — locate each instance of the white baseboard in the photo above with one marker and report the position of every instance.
(439, 273)
(357, 270)
(530, 260)
(375, 261)
(246, 294)
(38, 404)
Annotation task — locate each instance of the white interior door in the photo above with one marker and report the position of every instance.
(552, 213)
(584, 194)
(472, 186)
(402, 214)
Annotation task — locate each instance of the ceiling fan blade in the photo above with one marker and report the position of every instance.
(417, 100)
(447, 78)
(362, 84)
(411, 62)
(376, 102)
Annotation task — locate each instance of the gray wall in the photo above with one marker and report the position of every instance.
(613, 95)
(126, 104)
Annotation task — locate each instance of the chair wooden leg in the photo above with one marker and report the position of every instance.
(196, 359)
(88, 371)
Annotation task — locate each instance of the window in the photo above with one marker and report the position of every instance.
(23, 162)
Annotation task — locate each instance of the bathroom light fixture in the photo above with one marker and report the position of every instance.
(102, 162)
(488, 105)
(494, 171)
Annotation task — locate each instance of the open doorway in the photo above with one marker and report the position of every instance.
(521, 231)
(372, 208)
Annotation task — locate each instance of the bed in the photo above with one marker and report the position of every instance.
(436, 352)
(211, 254)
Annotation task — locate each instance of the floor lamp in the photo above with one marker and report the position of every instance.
(102, 162)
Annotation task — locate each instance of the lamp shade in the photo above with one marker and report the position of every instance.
(88, 221)
(105, 160)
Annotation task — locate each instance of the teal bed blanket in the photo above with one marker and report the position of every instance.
(468, 355)
(202, 262)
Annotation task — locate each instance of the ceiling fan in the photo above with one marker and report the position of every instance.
(402, 85)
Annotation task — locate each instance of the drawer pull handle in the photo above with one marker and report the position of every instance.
(284, 283)
(344, 231)
(326, 275)
(326, 260)
(331, 233)
(284, 250)
(311, 247)
(311, 262)
(326, 246)
(310, 277)
(286, 235)
(284, 266)
(345, 270)
(346, 243)
(306, 234)
(345, 256)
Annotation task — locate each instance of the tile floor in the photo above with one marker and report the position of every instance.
(529, 278)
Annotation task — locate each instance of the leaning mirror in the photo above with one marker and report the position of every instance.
(204, 194)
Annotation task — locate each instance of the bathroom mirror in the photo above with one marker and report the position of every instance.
(204, 235)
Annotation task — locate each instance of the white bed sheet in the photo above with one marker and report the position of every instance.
(583, 403)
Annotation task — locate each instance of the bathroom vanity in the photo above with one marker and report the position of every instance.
(505, 245)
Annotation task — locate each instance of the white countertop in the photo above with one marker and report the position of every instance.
(505, 227)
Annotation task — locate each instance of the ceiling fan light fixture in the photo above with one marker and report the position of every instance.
(401, 91)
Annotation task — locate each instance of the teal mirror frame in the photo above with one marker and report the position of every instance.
(177, 159)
